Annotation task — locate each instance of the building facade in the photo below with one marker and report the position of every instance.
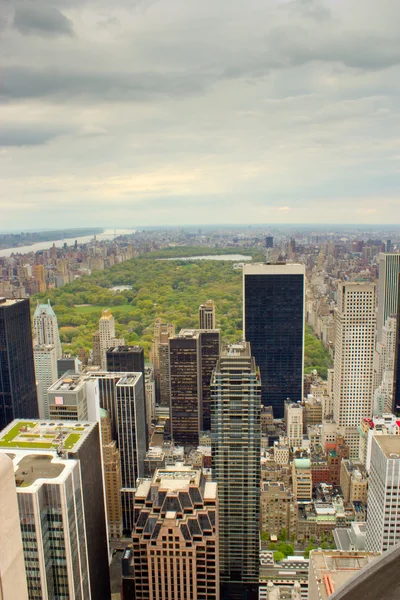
(159, 356)
(175, 538)
(18, 396)
(236, 444)
(45, 358)
(207, 315)
(389, 269)
(45, 327)
(273, 321)
(354, 355)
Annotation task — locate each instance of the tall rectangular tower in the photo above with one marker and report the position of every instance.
(207, 315)
(45, 357)
(236, 440)
(354, 355)
(389, 269)
(45, 327)
(273, 323)
(159, 356)
(17, 371)
(383, 520)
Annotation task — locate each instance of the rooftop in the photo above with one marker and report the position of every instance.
(125, 350)
(69, 382)
(390, 445)
(44, 435)
(10, 301)
(33, 469)
(333, 569)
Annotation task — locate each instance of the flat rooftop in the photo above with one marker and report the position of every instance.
(69, 382)
(338, 566)
(390, 445)
(44, 435)
(176, 477)
(125, 350)
(37, 466)
(10, 301)
(239, 349)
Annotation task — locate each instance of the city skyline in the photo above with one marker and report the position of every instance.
(152, 112)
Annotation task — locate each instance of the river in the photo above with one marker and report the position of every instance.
(107, 234)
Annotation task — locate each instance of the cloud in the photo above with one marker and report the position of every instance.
(18, 134)
(33, 18)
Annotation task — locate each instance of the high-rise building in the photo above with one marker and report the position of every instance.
(12, 568)
(73, 398)
(384, 357)
(294, 423)
(150, 387)
(396, 365)
(175, 538)
(125, 359)
(354, 354)
(273, 322)
(45, 327)
(269, 241)
(60, 492)
(383, 517)
(39, 276)
(302, 480)
(193, 355)
(236, 443)
(104, 338)
(17, 371)
(159, 356)
(112, 477)
(45, 358)
(207, 315)
(122, 396)
(389, 269)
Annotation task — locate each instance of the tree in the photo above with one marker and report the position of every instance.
(278, 556)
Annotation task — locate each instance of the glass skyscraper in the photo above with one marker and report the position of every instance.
(273, 323)
(17, 372)
(236, 439)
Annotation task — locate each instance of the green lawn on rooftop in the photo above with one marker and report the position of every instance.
(8, 437)
(71, 440)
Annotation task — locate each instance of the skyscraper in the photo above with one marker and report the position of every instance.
(193, 355)
(207, 315)
(389, 269)
(175, 538)
(12, 569)
(236, 440)
(122, 396)
(17, 372)
(273, 322)
(61, 507)
(45, 358)
(159, 356)
(104, 338)
(125, 359)
(383, 519)
(354, 354)
(112, 477)
(45, 327)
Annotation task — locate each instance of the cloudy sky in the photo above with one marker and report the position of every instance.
(140, 112)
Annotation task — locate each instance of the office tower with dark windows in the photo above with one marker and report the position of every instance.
(273, 322)
(236, 441)
(122, 396)
(125, 359)
(60, 493)
(174, 550)
(45, 327)
(269, 242)
(18, 396)
(354, 355)
(388, 292)
(193, 355)
(207, 315)
(159, 356)
(396, 368)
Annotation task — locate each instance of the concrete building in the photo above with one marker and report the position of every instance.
(273, 322)
(207, 315)
(45, 327)
(354, 353)
(112, 477)
(353, 482)
(329, 570)
(389, 269)
(18, 396)
(294, 423)
(150, 389)
(383, 519)
(175, 538)
(12, 568)
(73, 398)
(159, 356)
(104, 339)
(236, 435)
(122, 396)
(60, 491)
(302, 480)
(278, 509)
(45, 359)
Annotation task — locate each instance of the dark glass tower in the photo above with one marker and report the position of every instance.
(125, 359)
(273, 321)
(17, 372)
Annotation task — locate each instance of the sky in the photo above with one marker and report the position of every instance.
(138, 112)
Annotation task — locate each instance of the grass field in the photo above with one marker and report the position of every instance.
(16, 429)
